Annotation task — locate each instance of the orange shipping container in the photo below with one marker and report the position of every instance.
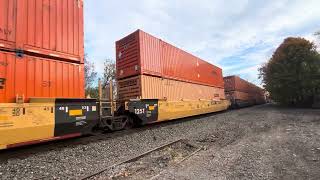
(7, 24)
(38, 77)
(53, 28)
(150, 87)
(141, 53)
(235, 83)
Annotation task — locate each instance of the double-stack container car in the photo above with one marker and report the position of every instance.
(242, 93)
(42, 77)
(42, 72)
(167, 82)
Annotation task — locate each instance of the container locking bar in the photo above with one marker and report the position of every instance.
(2, 83)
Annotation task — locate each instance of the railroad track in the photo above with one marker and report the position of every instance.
(133, 159)
(22, 152)
(25, 152)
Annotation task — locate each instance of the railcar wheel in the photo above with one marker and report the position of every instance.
(129, 123)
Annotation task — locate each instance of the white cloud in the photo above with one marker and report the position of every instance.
(214, 30)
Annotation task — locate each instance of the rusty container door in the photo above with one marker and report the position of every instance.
(138, 53)
(229, 83)
(128, 61)
(151, 87)
(8, 24)
(39, 77)
(129, 88)
(50, 27)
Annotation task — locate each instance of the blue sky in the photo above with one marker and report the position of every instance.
(237, 35)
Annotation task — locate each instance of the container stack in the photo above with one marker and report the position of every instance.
(149, 68)
(243, 93)
(41, 49)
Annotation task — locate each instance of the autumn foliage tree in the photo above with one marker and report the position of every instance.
(109, 73)
(292, 75)
(317, 35)
(109, 76)
(90, 78)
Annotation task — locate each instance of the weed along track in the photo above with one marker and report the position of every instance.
(149, 164)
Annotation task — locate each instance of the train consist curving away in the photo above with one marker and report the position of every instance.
(242, 93)
(42, 78)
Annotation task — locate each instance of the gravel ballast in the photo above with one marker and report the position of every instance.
(261, 142)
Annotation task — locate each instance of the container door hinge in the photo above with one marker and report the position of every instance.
(19, 53)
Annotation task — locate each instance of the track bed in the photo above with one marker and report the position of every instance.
(261, 142)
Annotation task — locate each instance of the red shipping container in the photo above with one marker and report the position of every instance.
(237, 88)
(140, 53)
(235, 83)
(31, 76)
(53, 28)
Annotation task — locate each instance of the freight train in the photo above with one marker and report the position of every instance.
(242, 93)
(42, 78)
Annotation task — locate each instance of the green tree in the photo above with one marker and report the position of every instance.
(109, 73)
(317, 34)
(90, 78)
(292, 75)
(93, 92)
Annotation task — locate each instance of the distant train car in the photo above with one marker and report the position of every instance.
(165, 81)
(242, 93)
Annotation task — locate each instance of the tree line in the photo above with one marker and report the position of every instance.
(91, 76)
(292, 75)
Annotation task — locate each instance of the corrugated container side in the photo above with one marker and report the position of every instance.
(7, 24)
(150, 54)
(176, 62)
(150, 87)
(209, 74)
(53, 28)
(177, 90)
(171, 57)
(229, 83)
(158, 58)
(39, 77)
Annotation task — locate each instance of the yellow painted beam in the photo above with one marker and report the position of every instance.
(20, 123)
(169, 110)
